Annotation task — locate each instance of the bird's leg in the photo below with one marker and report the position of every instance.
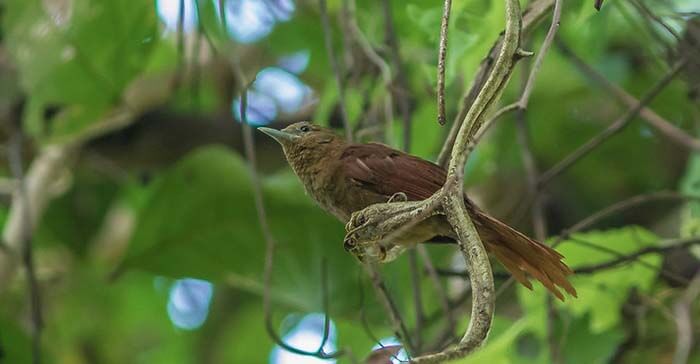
(369, 231)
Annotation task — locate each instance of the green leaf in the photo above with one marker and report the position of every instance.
(501, 344)
(201, 222)
(601, 295)
(77, 58)
(15, 344)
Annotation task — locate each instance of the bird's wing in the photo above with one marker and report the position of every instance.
(387, 171)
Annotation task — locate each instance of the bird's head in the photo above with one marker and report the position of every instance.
(304, 141)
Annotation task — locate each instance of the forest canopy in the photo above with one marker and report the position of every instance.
(146, 220)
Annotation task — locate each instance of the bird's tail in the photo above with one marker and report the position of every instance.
(521, 254)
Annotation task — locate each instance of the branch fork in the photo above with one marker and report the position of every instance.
(370, 230)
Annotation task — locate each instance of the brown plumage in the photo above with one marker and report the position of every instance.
(344, 178)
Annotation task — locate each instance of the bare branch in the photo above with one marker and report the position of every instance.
(546, 44)
(398, 325)
(684, 321)
(552, 336)
(378, 61)
(481, 277)
(621, 206)
(665, 246)
(653, 119)
(417, 299)
(613, 129)
(180, 44)
(533, 14)
(335, 68)
(529, 83)
(539, 222)
(25, 242)
(442, 295)
(645, 11)
(271, 242)
(400, 86)
(28, 207)
(444, 25)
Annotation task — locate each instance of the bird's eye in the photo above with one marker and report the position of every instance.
(304, 128)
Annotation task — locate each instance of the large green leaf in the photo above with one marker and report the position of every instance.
(77, 56)
(201, 222)
(603, 293)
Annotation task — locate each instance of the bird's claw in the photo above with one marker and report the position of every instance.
(367, 229)
(398, 197)
(358, 242)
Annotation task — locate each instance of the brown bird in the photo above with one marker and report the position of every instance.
(344, 178)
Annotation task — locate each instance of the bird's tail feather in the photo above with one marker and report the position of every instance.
(524, 256)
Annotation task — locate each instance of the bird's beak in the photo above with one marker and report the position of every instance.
(279, 135)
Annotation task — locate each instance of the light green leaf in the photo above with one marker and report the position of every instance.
(601, 295)
(201, 222)
(77, 58)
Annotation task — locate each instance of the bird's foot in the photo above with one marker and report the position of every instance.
(398, 197)
(369, 232)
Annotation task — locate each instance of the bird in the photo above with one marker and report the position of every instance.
(344, 178)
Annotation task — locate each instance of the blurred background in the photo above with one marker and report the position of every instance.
(130, 229)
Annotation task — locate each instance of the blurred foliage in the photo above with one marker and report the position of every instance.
(134, 217)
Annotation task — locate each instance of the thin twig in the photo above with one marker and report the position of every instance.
(684, 321)
(546, 44)
(653, 119)
(378, 61)
(397, 322)
(452, 194)
(442, 54)
(15, 162)
(270, 241)
(402, 99)
(335, 68)
(400, 87)
(533, 14)
(552, 336)
(666, 246)
(197, 68)
(417, 300)
(650, 27)
(621, 206)
(363, 317)
(180, 44)
(529, 84)
(450, 321)
(647, 12)
(539, 222)
(613, 129)
(400, 330)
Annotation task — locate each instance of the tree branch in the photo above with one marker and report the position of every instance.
(613, 129)
(25, 232)
(270, 240)
(666, 246)
(400, 87)
(684, 321)
(442, 53)
(378, 61)
(653, 119)
(620, 206)
(452, 196)
(335, 68)
(533, 14)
